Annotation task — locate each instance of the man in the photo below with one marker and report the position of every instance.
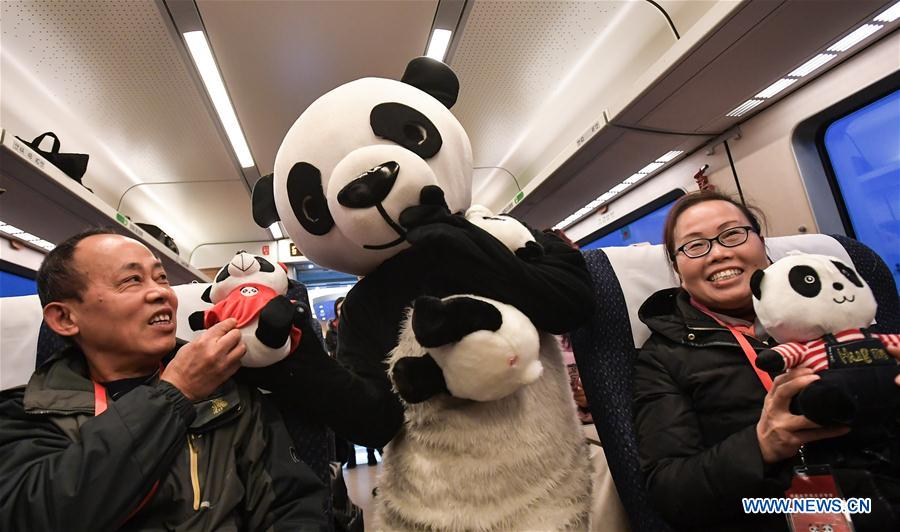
(122, 430)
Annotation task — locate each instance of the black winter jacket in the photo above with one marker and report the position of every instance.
(224, 463)
(697, 402)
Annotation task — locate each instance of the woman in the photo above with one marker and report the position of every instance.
(709, 433)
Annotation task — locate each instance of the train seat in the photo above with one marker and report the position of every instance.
(606, 348)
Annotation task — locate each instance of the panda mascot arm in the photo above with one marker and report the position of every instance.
(819, 308)
(546, 279)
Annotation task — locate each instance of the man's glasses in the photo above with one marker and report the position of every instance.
(729, 238)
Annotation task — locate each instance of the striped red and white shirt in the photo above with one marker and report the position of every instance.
(812, 354)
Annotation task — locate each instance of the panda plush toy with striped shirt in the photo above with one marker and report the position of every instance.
(819, 309)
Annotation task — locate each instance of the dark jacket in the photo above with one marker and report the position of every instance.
(224, 463)
(697, 403)
(352, 393)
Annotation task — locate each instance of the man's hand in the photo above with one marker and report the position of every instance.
(201, 366)
(894, 351)
(781, 433)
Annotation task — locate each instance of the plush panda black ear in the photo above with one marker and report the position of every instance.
(206, 294)
(755, 281)
(263, 198)
(433, 77)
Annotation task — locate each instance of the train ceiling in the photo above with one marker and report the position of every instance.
(113, 79)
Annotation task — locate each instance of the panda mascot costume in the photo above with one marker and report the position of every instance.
(373, 179)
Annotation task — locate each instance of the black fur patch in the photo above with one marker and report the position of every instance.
(304, 188)
(407, 127)
(755, 282)
(436, 323)
(805, 280)
(264, 265)
(223, 274)
(263, 200)
(434, 77)
(848, 273)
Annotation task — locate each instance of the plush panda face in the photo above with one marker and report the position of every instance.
(802, 297)
(246, 268)
(504, 228)
(358, 157)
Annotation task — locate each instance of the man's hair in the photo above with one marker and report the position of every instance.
(57, 278)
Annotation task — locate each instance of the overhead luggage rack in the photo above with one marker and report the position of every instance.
(42, 200)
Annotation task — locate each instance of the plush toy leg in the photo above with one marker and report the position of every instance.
(418, 378)
(851, 396)
(275, 321)
(436, 322)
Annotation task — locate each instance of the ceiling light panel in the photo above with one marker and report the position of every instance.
(851, 40)
(440, 40)
(209, 72)
(890, 14)
(812, 65)
(776, 87)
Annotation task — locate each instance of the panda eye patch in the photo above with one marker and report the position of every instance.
(848, 273)
(264, 265)
(407, 127)
(304, 188)
(805, 281)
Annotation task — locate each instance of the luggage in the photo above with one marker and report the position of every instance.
(72, 164)
(160, 235)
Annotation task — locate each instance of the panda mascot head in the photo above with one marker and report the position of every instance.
(252, 290)
(358, 157)
(802, 297)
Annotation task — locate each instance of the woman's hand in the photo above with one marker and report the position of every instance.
(781, 433)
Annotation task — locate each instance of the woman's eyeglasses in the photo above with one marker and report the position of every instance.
(729, 238)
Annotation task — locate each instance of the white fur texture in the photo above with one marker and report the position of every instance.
(790, 317)
(506, 229)
(519, 463)
(489, 365)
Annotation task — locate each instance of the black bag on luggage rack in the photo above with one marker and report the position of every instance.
(160, 235)
(72, 164)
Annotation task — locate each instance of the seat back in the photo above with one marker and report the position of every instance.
(606, 348)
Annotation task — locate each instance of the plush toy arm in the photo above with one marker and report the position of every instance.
(771, 361)
(197, 320)
(418, 378)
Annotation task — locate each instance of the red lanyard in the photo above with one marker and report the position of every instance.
(750, 353)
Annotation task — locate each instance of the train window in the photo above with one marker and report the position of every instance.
(16, 280)
(642, 225)
(861, 148)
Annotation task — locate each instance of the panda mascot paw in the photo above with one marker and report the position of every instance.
(818, 308)
(251, 290)
(485, 349)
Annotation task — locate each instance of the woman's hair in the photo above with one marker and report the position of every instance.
(337, 303)
(753, 214)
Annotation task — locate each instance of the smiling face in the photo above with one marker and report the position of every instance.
(355, 159)
(126, 314)
(720, 279)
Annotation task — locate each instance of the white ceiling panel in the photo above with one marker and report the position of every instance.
(277, 57)
(207, 212)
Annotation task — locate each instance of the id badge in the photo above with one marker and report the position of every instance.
(820, 510)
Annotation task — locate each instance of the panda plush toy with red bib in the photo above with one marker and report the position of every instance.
(252, 290)
(374, 179)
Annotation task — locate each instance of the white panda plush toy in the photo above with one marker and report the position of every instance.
(252, 290)
(373, 179)
(818, 308)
